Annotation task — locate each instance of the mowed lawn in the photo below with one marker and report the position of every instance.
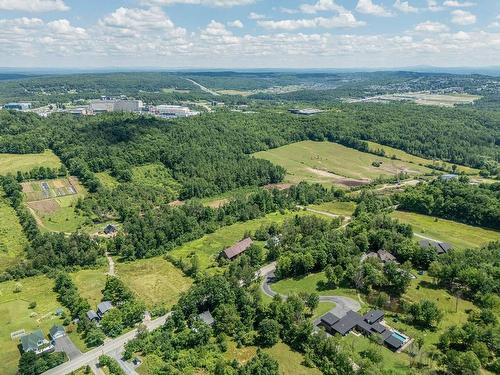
(11, 163)
(458, 234)
(312, 283)
(327, 163)
(402, 155)
(15, 315)
(154, 280)
(208, 247)
(12, 238)
(336, 208)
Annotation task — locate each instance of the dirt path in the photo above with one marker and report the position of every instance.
(111, 262)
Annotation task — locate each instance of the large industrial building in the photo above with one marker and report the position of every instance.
(17, 106)
(172, 111)
(115, 105)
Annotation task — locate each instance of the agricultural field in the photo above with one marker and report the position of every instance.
(458, 234)
(208, 247)
(329, 164)
(155, 175)
(404, 156)
(52, 203)
(11, 163)
(12, 238)
(154, 280)
(15, 314)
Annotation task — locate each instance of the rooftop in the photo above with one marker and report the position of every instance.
(373, 316)
(238, 248)
(207, 317)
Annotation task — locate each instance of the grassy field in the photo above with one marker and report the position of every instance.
(330, 163)
(15, 315)
(155, 175)
(209, 247)
(312, 283)
(336, 208)
(107, 180)
(11, 163)
(404, 156)
(57, 214)
(154, 280)
(458, 234)
(12, 238)
(90, 283)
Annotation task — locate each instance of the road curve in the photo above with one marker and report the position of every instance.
(342, 304)
(109, 347)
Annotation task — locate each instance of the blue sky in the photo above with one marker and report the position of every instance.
(249, 33)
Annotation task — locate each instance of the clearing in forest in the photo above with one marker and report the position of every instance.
(330, 163)
(11, 163)
(15, 314)
(52, 202)
(12, 238)
(157, 176)
(154, 280)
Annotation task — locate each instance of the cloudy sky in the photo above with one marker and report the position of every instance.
(249, 33)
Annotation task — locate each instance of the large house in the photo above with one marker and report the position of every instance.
(441, 247)
(237, 249)
(36, 342)
(368, 324)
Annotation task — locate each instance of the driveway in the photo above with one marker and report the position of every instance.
(342, 304)
(64, 344)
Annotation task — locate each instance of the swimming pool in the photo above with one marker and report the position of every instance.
(399, 336)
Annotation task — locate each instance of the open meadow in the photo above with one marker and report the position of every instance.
(154, 280)
(12, 238)
(90, 283)
(155, 175)
(11, 163)
(15, 314)
(458, 234)
(330, 163)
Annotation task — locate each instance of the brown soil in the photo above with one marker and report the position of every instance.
(278, 186)
(46, 206)
(176, 203)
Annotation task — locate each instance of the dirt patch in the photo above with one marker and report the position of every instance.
(340, 180)
(46, 206)
(58, 184)
(278, 186)
(217, 203)
(27, 187)
(176, 203)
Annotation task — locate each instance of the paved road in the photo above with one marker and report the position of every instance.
(64, 344)
(203, 88)
(111, 346)
(127, 367)
(342, 304)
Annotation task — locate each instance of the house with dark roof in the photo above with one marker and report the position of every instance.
(327, 321)
(347, 323)
(103, 308)
(394, 340)
(237, 249)
(440, 247)
(110, 229)
(91, 314)
(56, 332)
(207, 318)
(36, 342)
(373, 316)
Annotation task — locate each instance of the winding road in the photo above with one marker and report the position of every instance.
(342, 304)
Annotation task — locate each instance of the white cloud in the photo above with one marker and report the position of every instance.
(322, 6)
(212, 3)
(405, 7)
(458, 4)
(64, 28)
(431, 27)
(34, 5)
(256, 16)
(343, 20)
(368, 7)
(462, 17)
(433, 6)
(236, 23)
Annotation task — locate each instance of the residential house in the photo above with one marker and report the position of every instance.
(56, 332)
(207, 318)
(110, 229)
(103, 308)
(237, 249)
(36, 342)
(440, 247)
(386, 257)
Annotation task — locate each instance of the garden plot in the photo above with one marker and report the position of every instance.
(47, 189)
